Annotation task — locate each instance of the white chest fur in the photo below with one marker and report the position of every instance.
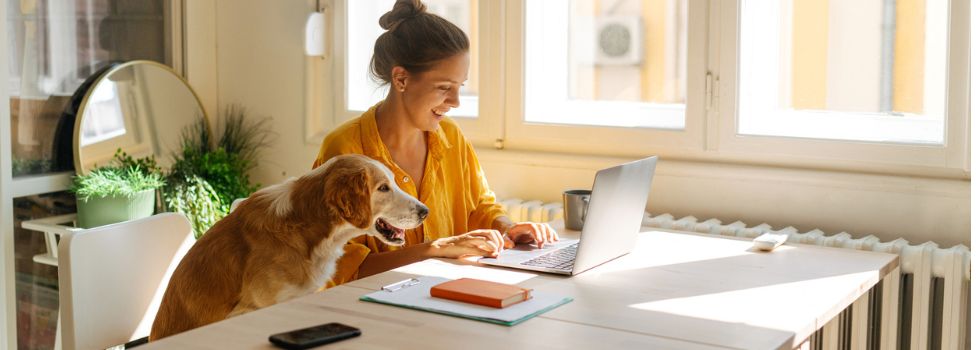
(326, 264)
(323, 264)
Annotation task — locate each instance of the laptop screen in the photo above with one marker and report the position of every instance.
(615, 214)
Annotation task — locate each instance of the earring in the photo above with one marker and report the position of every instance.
(402, 89)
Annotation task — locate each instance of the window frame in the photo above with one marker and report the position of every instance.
(710, 132)
(604, 140)
(844, 154)
(12, 187)
(326, 105)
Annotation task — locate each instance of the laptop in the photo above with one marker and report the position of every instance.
(619, 196)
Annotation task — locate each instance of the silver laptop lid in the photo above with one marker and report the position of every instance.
(619, 197)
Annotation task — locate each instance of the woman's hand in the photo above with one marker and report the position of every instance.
(486, 243)
(532, 233)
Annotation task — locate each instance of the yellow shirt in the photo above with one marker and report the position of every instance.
(453, 186)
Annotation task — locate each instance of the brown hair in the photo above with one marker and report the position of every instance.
(415, 40)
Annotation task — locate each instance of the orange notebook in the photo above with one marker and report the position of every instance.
(474, 291)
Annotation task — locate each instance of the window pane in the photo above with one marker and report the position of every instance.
(36, 283)
(363, 29)
(53, 47)
(597, 62)
(868, 70)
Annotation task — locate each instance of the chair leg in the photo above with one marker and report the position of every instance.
(136, 342)
(57, 333)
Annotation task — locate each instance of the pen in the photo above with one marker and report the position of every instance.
(401, 284)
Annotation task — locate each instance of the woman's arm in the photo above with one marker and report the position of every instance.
(380, 262)
(489, 213)
(479, 243)
(502, 224)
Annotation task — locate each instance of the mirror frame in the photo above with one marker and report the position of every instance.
(80, 114)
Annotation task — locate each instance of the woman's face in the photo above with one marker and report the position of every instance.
(430, 95)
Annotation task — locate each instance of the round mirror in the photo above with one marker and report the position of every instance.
(139, 107)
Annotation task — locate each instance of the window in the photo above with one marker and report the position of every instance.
(109, 122)
(868, 71)
(606, 63)
(362, 91)
(52, 47)
(606, 77)
(878, 86)
(881, 86)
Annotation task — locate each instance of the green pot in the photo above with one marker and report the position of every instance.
(98, 211)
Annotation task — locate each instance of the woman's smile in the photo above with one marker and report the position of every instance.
(439, 114)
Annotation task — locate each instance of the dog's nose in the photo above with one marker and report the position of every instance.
(423, 212)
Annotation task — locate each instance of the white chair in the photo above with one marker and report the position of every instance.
(235, 203)
(52, 227)
(112, 278)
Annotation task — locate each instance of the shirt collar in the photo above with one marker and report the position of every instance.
(438, 143)
(370, 138)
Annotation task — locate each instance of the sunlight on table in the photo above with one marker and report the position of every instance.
(449, 270)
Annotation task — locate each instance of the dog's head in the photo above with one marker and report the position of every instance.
(363, 192)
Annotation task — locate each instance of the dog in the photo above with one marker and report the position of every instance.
(284, 241)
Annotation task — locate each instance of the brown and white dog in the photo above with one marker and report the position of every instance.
(283, 242)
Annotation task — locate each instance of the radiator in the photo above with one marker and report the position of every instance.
(923, 305)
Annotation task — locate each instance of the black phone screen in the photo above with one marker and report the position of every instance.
(314, 336)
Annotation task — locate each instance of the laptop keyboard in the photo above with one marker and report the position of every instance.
(561, 259)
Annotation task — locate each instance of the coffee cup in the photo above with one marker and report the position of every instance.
(576, 204)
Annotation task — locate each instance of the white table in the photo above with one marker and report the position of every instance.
(675, 290)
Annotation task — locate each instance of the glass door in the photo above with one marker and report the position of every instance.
(53, 46)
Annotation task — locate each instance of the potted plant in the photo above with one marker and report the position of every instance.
(194, 197)
(112, 194)
(207, 174)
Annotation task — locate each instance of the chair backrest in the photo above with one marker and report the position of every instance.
(235, 203)
(113, 277)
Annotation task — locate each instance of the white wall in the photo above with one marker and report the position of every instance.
(889, 207)
(259, 62)
(256, 59)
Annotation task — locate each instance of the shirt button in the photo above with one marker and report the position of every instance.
(405, 179)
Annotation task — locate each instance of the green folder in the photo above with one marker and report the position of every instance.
(416, 296)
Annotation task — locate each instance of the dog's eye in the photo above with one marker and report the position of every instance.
(384, 188)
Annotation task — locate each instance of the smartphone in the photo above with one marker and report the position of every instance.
(314, 336)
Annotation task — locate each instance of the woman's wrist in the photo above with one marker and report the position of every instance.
(430, 250)
(502, 224)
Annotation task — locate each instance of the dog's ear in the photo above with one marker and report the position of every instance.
(348, 191)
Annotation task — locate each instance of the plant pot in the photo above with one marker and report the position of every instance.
(99, 211)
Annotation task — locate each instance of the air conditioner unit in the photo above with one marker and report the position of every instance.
(618, 40)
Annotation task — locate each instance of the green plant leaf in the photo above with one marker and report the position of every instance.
(114, 181)
(223, 166)
(196, 199)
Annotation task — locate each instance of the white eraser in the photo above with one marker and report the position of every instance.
(769, 241)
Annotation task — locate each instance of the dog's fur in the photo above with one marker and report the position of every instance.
(284, 241)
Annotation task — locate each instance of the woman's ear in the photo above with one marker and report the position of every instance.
(399, 78)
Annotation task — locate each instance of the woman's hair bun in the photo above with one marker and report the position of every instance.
(403, 9)
(414, 40)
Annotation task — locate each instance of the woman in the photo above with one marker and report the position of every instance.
(425, 58)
